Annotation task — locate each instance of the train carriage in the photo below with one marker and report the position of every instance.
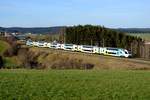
(36, 43)
(58, 46)
(68, 47)
(118, 52)
(42, 44)
(87, 49)
(53, 45)
(29, 43)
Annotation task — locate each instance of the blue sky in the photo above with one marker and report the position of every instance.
(46, 13)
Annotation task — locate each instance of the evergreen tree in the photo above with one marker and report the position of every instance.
(101, 36)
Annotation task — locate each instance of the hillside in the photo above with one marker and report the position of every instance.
(9, 62)
(60, 59)
(34, 30)
(56, 30)
(3, 46)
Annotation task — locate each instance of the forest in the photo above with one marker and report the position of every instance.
(99, 36)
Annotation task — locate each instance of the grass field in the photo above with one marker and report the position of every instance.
(74, 85)
(145, 36)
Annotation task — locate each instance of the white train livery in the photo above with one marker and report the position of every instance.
(118, 52)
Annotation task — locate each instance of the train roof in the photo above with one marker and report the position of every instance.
(113, 48)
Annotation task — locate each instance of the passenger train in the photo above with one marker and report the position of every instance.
(118, 52)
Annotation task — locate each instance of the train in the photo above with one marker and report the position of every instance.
(110, 51)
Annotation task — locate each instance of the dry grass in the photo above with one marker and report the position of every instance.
(57, 60)
(3, 46)
(99, 61)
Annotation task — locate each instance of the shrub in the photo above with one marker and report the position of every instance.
(27, 58)
(88, 66)
(12, 50)
(23, 57)
(62, 61)
(71, 64)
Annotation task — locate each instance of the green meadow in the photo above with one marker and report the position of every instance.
(74, 85)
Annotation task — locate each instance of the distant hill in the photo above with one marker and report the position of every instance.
(56, 30)
(34, 30)
(134, 30)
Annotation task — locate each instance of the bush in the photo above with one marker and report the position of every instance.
(62, 61)
(8, 52)
(88, 66)
(12, 50)
(28, 58)
(70, 64)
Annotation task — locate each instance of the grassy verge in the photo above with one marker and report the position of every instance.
(11, 62)
(74, 85)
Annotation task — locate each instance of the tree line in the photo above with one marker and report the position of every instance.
(99, 36)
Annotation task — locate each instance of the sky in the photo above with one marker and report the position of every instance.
(47, 13)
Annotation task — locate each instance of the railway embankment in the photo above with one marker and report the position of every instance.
(61, 59)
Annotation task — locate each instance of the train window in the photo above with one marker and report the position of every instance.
(69, 45)
(114, 49)
(68, 48)
(87, 47)
(89, 50)
(111, 53)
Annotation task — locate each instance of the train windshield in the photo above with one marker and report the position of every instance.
(126, 52)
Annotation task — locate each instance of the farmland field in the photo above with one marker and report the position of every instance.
(74, 84)
(145, 36)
